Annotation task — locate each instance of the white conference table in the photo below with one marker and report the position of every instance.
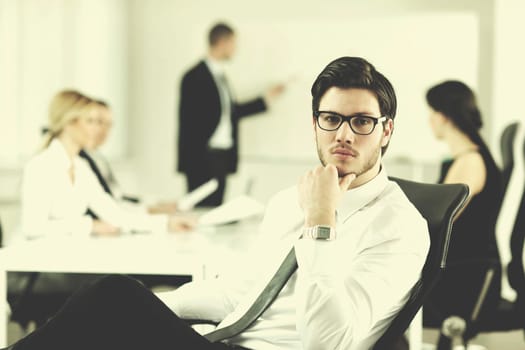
(199, 253)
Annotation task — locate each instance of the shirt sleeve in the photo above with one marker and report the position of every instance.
(108, 209)
(36, 199)
(202, 300)
(340, 301)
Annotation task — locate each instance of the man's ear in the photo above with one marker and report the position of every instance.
(388, 129)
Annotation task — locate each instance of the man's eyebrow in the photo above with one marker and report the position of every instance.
(357, 114)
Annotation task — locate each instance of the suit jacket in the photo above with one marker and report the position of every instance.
(199, 116)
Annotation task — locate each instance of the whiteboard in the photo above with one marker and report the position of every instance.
(413, 51)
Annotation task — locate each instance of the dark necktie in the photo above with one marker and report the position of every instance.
(96, 171)
(99, 176)
(263, 301)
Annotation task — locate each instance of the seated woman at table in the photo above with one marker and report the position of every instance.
(456, 120)
(58, 186)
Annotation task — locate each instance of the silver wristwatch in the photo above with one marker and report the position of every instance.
(321, 232)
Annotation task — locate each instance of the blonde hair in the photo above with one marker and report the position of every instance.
(66, 106)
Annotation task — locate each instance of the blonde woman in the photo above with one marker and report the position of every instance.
(57, 189)
(58, 186)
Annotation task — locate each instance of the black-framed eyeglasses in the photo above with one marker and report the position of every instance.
(360, 124)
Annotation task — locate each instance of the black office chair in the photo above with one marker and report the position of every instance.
(508, 316)
(438, 204)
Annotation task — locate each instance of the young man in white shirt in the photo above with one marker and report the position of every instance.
(359, 244)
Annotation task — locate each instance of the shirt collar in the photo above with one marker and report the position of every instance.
(216, 67)
(356, 198)
(60, 155)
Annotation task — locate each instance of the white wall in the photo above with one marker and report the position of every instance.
(50, 45)
(509, 68)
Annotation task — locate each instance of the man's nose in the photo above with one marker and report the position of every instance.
(345, 133)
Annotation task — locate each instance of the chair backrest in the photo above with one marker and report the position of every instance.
(507, 152)
(438, 204)
(515, 269)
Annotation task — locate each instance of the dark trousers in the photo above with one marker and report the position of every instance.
(36, 296)
(216, 166)
(116, 312)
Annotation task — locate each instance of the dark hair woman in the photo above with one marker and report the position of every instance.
(455, 119)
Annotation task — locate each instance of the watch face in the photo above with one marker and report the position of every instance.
(323, 232)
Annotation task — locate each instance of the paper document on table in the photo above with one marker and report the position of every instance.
(236, 209)
(191, 199)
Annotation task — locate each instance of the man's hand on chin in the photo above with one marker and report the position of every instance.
(320, 191)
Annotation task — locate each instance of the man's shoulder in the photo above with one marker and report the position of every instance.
(399, 212)
(197, 75)
(41, 161)
(199, 68)
(396, 201)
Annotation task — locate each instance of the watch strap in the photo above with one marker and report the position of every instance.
(319, 232)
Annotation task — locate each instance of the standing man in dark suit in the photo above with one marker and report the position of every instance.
(209, 117)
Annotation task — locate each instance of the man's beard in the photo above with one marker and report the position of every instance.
(369, 163)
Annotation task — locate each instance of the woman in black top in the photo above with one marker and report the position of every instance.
(456, 120)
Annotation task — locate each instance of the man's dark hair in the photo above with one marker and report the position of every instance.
(102, 103)
(355, 72)
(218, 32)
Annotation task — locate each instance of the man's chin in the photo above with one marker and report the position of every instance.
(342, 172)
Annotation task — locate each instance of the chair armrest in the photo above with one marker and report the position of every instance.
(193, 322)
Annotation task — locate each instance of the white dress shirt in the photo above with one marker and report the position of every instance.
(344, 293)
(222, 138)
(107, 173)
(54, 205)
